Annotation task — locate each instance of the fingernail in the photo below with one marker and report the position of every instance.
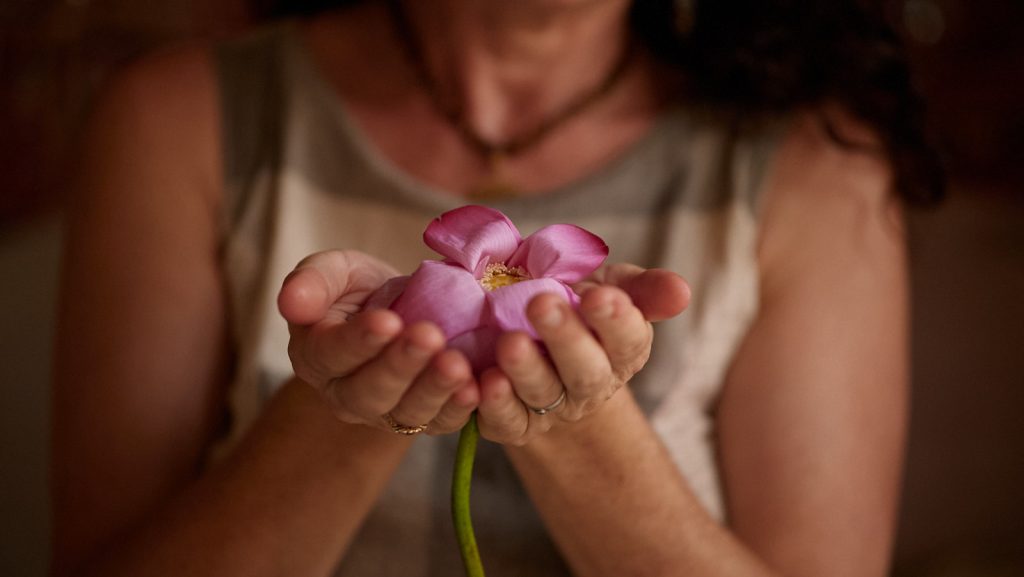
(553, 317)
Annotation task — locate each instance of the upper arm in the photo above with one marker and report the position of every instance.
(812, 416)
(141, 355)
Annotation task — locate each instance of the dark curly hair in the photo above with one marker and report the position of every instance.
(773, 56)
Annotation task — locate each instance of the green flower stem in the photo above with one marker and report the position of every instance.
(460, 498)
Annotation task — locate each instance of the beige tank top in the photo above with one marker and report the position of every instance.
(301, 178)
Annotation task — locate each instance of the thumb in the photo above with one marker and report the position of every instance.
(659, 294)
(322, 280)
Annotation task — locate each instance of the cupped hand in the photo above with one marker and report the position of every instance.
(369, 364)
(591, 353)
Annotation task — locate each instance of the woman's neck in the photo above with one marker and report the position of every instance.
(513, 63)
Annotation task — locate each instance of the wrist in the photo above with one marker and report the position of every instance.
(587, 432)
(348, 441)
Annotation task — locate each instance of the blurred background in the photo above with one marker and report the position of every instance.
(963, 507)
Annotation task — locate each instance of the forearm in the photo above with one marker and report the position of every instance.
(286, 502)
(617, 505)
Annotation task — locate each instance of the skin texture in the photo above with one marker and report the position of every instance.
(810, 423)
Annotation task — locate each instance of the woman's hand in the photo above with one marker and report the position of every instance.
(370, 365)
(592, 352)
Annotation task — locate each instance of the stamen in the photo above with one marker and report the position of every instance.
(497, 275)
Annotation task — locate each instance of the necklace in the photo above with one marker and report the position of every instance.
(495, 152)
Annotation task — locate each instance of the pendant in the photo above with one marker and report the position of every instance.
(496, 186)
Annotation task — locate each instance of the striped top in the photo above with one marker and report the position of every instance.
(301, 177)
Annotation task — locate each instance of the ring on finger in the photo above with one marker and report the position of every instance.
(545, 410)
(407, 430)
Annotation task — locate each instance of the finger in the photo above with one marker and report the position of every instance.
(659, 294)
(448, 371)
(502, 416)
(379, 384)
(620, 327)
(329, 350)
(323, 279)
(456, 411)
(580, 360)
(533, 378)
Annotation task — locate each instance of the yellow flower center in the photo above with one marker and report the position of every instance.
(497, 275)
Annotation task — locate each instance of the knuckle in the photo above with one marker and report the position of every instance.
(329, 393)
(582, 405)
(307, 377)
(487, 431)
(360, 404)
(394, 372)
(500, 434)
(312, 355)
(627, 371)
(632, 359)
(440, 385)
(397, 367)
(302, 369)
(344, 415)
(516, 442)
(531, 375)
(540, 427)
(445, 423)
(576, 411)
(587, 384)
(296, 356)
(638, 349)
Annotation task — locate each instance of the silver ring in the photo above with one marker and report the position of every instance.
(545, 410)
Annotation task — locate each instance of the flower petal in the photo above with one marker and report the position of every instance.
(443, 294)
(387, 293)
(473, 236)
(561, 251)
(478, 345)
(508, 304)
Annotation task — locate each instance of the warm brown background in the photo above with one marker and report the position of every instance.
(963, 512)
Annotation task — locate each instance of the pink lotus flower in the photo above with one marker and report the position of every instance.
(488, 276)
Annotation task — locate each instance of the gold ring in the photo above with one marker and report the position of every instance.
(407, 430)
(545, 410)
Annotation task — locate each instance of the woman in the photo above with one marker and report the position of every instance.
(765, 435)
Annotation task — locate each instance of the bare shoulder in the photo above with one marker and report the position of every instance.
(813, 168)
(174, 75)
(141, 352)
(810, 152)
(813, 414)
(170, 84)
(161, 111)
(826, 201)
